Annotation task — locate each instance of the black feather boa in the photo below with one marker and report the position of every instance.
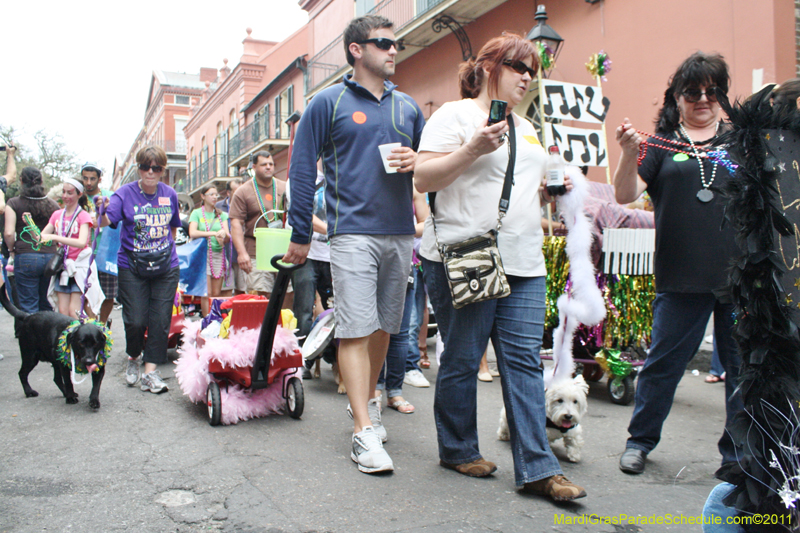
(767, 432)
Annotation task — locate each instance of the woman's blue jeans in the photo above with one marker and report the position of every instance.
(394, 369)
(679, 323)
(515, 325)
(415, 320)
(31, 284)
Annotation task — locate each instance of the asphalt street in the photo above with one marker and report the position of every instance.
(152, 463)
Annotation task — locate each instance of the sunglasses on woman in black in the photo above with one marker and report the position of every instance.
(693, 95)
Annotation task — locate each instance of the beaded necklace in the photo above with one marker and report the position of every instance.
(214, 275)
(717, 157)
(149, 197)
(704, 195)
(261, 200)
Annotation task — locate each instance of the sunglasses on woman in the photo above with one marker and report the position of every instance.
(382, 43)
(519, 67)
(693, 95)
(155, 168)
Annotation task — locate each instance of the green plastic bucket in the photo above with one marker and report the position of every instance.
(270, 242)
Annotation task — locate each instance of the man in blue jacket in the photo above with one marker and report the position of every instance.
(370, 215)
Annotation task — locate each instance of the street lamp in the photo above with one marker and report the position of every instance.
(544, 34)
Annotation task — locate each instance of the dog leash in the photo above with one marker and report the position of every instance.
(96, 232)
(72, 370)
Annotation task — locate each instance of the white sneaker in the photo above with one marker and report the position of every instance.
(132, 372)
(374, 411)
(368, 452)
(415, 378)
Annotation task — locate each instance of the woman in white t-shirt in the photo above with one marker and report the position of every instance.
(464, 161)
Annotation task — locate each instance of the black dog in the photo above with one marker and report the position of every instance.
(38, 339)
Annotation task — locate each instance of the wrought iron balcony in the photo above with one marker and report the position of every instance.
(261, 131)
(215, 167)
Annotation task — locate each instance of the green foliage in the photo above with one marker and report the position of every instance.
(49, 154)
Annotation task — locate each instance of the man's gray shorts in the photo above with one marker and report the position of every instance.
(370, 278)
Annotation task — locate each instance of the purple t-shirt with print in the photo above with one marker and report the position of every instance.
(147, 220)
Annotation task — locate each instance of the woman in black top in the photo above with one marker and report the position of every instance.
(693, 250)
(29, 262)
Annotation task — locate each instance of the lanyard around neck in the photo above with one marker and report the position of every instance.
(261, 200)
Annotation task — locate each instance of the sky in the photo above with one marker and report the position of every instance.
(82, 69)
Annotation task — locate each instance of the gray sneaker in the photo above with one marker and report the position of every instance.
(368, 452)
(374, 411)
(132, 372)
(152, 382)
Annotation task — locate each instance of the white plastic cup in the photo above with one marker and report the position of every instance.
(386, 151)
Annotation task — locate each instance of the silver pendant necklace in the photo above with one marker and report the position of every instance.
(704, 194)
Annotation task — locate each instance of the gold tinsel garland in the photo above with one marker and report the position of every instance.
(629, 302)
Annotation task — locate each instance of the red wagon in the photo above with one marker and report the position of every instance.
(267, 370)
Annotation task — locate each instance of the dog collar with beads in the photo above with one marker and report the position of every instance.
(552, 424)
(63, 349)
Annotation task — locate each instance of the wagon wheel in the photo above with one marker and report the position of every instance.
(621, 390)
(214, 402)
(593, 373)
(294, 398)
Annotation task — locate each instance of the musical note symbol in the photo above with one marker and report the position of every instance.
(569, 155)
(575, 111)
(556, 136)
(548, 107)
(594, 139)
(606, 104)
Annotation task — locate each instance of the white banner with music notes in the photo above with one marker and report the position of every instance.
(569, 101)
(578, 146)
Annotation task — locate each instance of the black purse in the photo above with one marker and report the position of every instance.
(149, 265)
(56, 263)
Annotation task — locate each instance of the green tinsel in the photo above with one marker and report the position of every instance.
(63, 348)
(629, 301)
(545, 55)
(613, 362)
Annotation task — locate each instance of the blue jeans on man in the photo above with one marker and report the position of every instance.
(679, 324)
(515, 325)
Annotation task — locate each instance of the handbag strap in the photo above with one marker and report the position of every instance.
(508, 182)
(67, 231)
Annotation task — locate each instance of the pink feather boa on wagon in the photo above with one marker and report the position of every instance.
(237, 350)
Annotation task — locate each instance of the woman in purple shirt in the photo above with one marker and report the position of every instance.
(148, 214)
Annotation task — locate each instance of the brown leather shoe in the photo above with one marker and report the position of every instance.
(478, 468)
(556, 488)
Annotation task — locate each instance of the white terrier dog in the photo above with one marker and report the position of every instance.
(565, 405)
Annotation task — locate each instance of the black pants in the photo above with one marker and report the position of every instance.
(147, 307)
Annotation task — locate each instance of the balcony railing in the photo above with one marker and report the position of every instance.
(172, 147)
(216, 166)
(332, 58)
(261, 129)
